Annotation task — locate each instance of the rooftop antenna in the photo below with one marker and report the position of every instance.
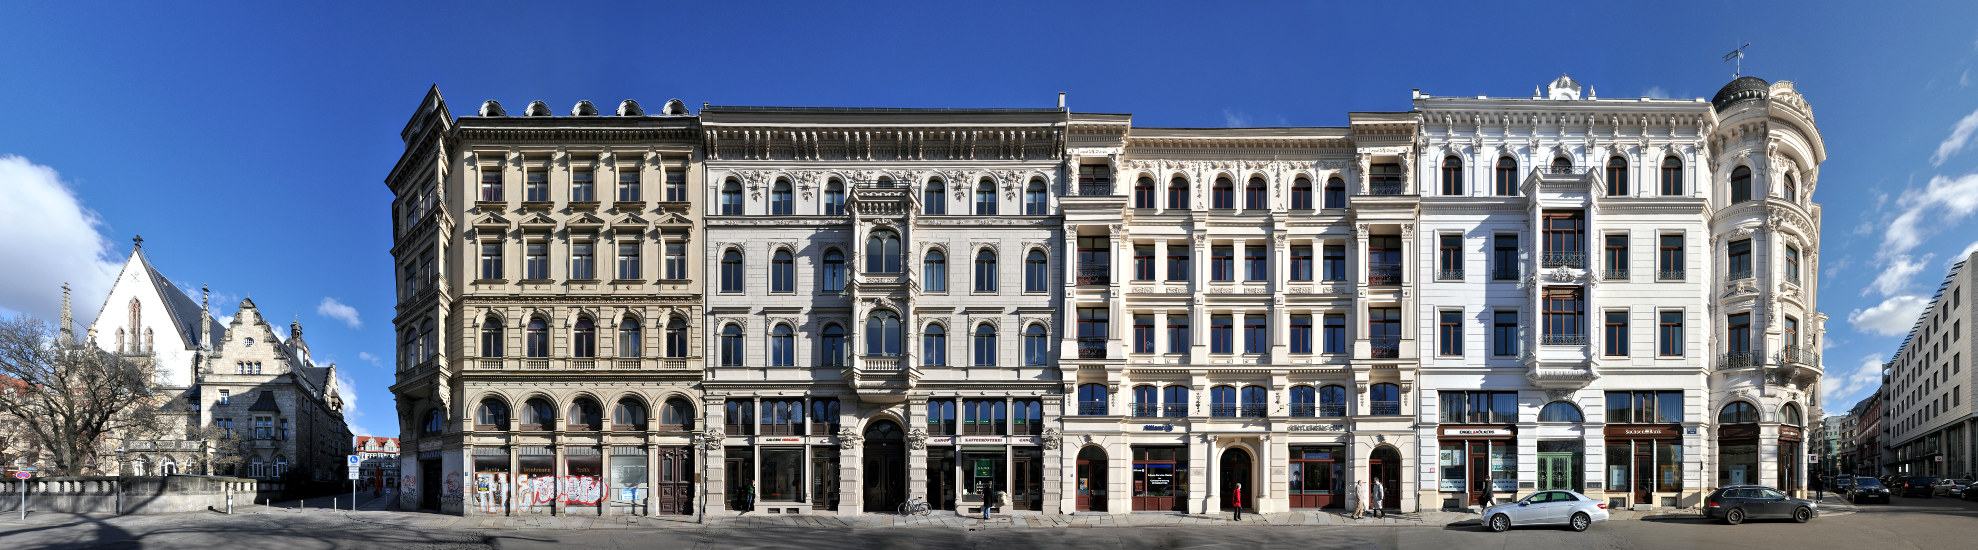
(1737, 58)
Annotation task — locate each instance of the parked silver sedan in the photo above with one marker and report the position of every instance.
(1566, 508)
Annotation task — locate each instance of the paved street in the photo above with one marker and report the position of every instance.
(1908, 523)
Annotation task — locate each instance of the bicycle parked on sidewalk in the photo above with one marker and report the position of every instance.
(914, 507)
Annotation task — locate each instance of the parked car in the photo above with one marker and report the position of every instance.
(1950, 487)
(1969, 493)
(1913, 486)
(1867, 489)
(1738, 503)
(1568, 508)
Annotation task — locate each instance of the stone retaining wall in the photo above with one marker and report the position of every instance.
(127, 495)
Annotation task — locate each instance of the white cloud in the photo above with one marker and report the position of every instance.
(50, 238)
(1866, 375)
(336, 310)
(1964, 80)
(347, 389)
(367, 357)
(1960, 136)
(1897, 275)
(1235, 119)
(1892, 317)
(1942, 203)
(1973, 247)
(1656, 92)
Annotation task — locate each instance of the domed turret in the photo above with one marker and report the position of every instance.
(1744, 88)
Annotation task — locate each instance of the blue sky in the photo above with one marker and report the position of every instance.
(248, 143)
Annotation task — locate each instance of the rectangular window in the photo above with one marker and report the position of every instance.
(1301, 262)
(1616, 256)
(1384, 260)
(1178, 261)
(1565, 239)
(1478, 407)
(1143, 262)
(1222, 330)
(1737, 338)
(1449, 331)
(535, 260)
(1792, 264)
(676, 260)
(676, 185)
(1449, 258)
(1335, 333)
(1301, 333)
(1256, 334)
(582, 187)
(1384, 332)
(1644, 407)
(1504, 257)
(1565, 313)
(536, 187)
(1256, 261)
(1504, 333)
(1178, 332)
(1669, 260)
(491, 260)
(1222, 263)
(583, 260)
(491, 183)
(226, 396)
(628, 183)
(628, 260)
(1143, 333)
(1334, 262)
(1737, 264)
(1616, 335)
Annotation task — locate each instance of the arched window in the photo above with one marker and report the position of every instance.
(1790, 191)
(628, 415)
(1304, 401)
(536, 415)
(1335, 193)
(172, 468)
(1559, 411)
(779, 198)
(585, 415)
(1256, 401)
(676, 337)
(1790, 416)
(834, 197)
(676, 415)
(731, 345)
(884, 182)
(1562, 165)
(1332, 401)
(731, 271)
(731, 197)
(1035, 201)
(882, 251)
(1672, 176)
(832, 271)
(739, 418)
(1738, 412)
(985, 345)
(536, 338)
(1092, 400)
(492, 415)
(1178, 193)
(1452, 176)
(985, 198)
(1740, 184)
(934, 346)
(1253, 195)
(1146, 400)
(628, 338)
(1035, 345)
(985, 271)
(933, 200)
(934, 272)
(1617, 176)
(882, 334)
(1036, 272)
(831, 347)
(941, 417)
(1174, 401)
(493, 343)
(584, 338)
(1223, 194)
(1385, 399)
(1507, 177)
(1222, 401)
(1143, 193)
(435, 423)
(1301, 194)
(782, 346)
(782, 272)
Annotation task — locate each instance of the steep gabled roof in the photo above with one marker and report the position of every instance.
(181, 309)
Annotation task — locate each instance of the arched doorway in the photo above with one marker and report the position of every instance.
(1236, 469)
(885, 467)
(1091, 479)
(1385, 465)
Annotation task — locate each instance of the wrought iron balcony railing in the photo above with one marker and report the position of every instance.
(1095, 188)
(1385, 188)
(1669, 275)
(1225, 410)
(1384, 347)
(1146, 409)
(1738, 275)
(1449, 274)
(1797, 355)
(1174, 410)
(1386, 407)
(1565, 258)
(1738, 360)
(1095, 274)
(1091, 348)
(1563, 340)
(1092, 408)
(1384, 273)
(1617, 274)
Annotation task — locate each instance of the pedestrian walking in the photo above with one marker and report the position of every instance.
(1357, 497)
(1236, 499)
(1489, 492)
(988, 499)
(749, 499)
(1379, 496)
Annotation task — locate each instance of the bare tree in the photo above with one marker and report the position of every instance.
(70, 396)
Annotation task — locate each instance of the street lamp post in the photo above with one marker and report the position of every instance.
(700, 463)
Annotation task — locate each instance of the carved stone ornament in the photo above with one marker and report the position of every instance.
(1051, 438)
(916, 439)
(1559, 395)
(849, 439)
(1560, 275)
(711, 439)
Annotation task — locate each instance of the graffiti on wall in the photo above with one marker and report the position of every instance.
(535, 491)
(491, 491)
(585, 490)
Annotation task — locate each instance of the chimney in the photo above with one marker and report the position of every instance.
(1061, 100)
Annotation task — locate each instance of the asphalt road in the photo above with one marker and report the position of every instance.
(1908, 523)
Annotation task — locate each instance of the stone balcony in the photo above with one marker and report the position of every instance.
(882, 378)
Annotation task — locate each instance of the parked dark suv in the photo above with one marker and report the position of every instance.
(1913, 486)
(1867, 489)
(1741, 502)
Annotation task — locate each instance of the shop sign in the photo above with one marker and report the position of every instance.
(985, 468)
(980, 440)
(1641, 431)
(824, 440)
(779, 440)
(1318, 427)
(1157, 428)
(1476, 431)
(1032, 440)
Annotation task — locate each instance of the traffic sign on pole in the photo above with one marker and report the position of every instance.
(22, 475)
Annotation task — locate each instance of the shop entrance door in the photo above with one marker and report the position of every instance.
(1091, 480)
(1235, 470)
(1479, 475)
(740, 473)
(1027, 478)
(1788, 467)
(1386, 466)
(429, 484)
(1644, 474)
(941, 478)
(673, 485)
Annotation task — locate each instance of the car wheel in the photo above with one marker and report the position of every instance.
(1499, 523)
(1581, 521)
(1734, 517)
(1802, 514)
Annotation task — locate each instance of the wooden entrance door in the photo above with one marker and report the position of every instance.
(1091, 474)
(885, 468)
(1236, 470)
(1644, 490)
(673, 482)
(1385, 464)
